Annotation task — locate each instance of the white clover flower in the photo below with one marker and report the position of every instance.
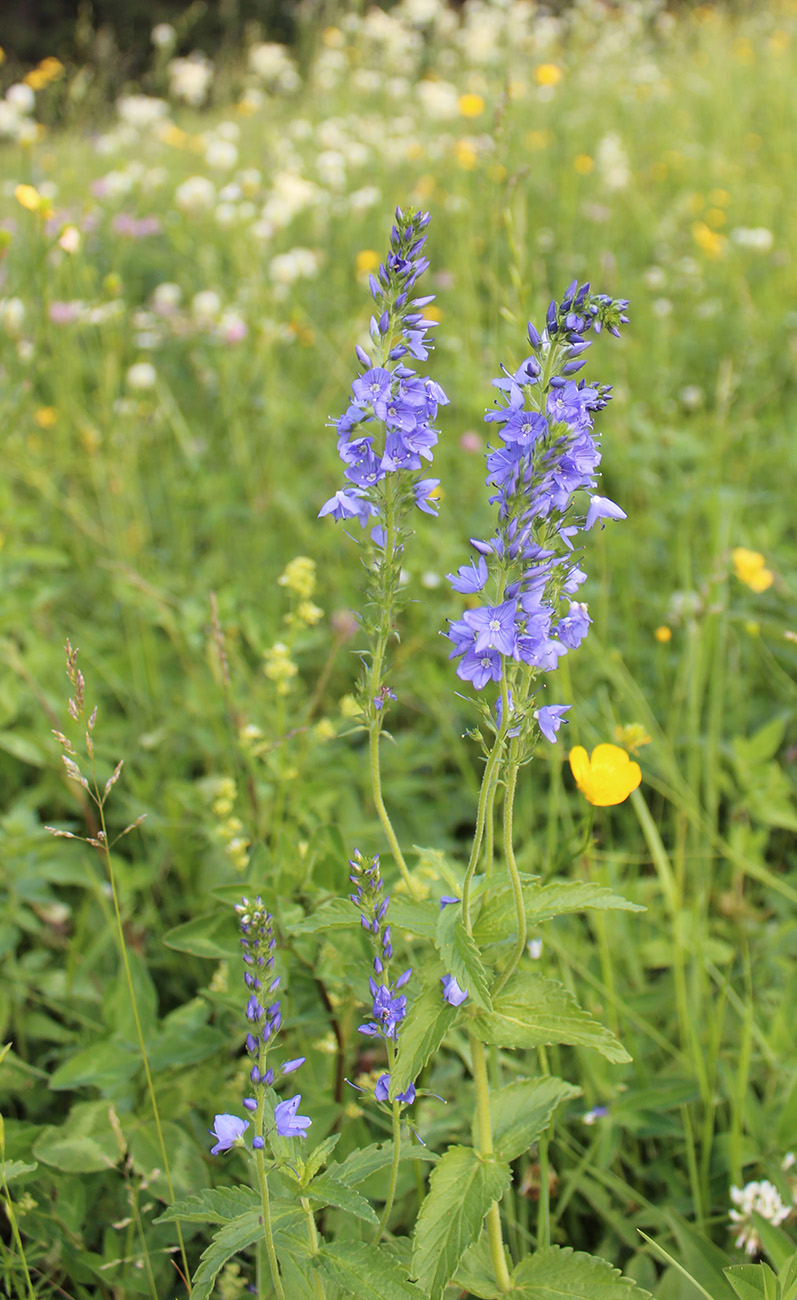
(21, 98)
(205, 306)
(221, 154)
(190, 79)
(332, 168)
(141, 111)
(12, 315)
(142, 376)
(439, 100)
(758, 239)
(195, 194)
(612, 162)
(291, 194)
(163, 36)
(166, 298)
(11, 124)
(273, 65)
(764, 1199)
(298, 264)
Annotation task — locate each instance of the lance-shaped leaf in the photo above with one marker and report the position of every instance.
(462, 1188)
(212, 1205)
(532, 1011)
(244, 1231)
(522, 1110)
(334, 914)
(428, 1020)
(560, 1273)
(498, 920)
(366, 1272)
(328, 1190)
(461, 956)
(361, 1164)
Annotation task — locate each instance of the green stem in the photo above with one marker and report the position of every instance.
(485, 1147)
(514, 876)
(544, 1203)
(260, 1165)
(12, 1218)
(481, 814)
(394, 1168)
(313, 1238)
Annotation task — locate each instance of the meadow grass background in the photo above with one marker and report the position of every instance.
(650, 153)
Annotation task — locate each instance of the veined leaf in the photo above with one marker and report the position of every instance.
(366, 1272)
(415, 916)
(428, 1021)
(241, 1232)
(212, 935)
(334, 914)
(319, 1157)
(216, 1205)
(532, 1011)
(461, 956)
(329, 1190)
(522, 1110)
(11, 1169)
(462, 1188)
(747, 1280)
(560, 1273)
(361, 1164)
(498, 920)
(475, 1272)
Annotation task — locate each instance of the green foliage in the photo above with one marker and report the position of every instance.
(521, 1111)
(543, 903)
(532, 1011)
(461, 958)
(429, 1019)
(558, 1271)
(462, 1188)
(366, 1271)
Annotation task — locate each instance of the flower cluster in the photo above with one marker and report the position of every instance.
(387, 431)
(264, 1018)
(549, 453)
(761, 1198)
(389, 1004)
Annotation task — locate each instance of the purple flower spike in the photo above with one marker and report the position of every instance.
(452, 993)
(289, 1124)
(228, 1130)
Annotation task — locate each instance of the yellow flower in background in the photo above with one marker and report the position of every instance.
(707, 240)
(547, 74)
(470, 105)
(366, 261)
(29, 197)
(45, 417)
(583, 164)
(632, 736)
(663, 634)
(605, 778)
(749, 567)
(465, 154)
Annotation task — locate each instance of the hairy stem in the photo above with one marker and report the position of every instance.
(394, 1168)
(266, 1212)
(514, 876)
(485, 1148)
(313, 1239)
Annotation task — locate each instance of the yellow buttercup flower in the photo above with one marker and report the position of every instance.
(470, 105)
(631, 736)
(663, 634)
(749, 567)
(547, 74)
(367, 260)
(29, 197)
(605, 778)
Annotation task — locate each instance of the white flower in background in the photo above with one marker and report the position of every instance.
(251, 100)
(195, 194)
(329, 68)
(367, 81)
(163, 36)
(439, 99)
(290, 195)
(298, 264)
(141, 111)
(166, 298)
(692, 397)
(612, 162)
(419, 13)
(221, 154)
(756, 238)
(142, 376)
(332, 168)
(69, 239)
(190, 79)
(654, 277)
(226, 214)
(365, 199)
(232, 327)
(250, 180)
(662, 307)
(12, 315)
(764, 1199)
(114, 185)
(21, 98)
(272, 64)
(205, 306)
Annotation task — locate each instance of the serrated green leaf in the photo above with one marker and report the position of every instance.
(522, 1110)
(747, 1281)
(212, 1205)
(366, 1272)
(533, 1011)
(212, 935)
(461, 956)
(241, 1232)
(329, 1190)
(428, 1020)
(475, 1272)
(361, 1164)
(462, 1188)
(497, 920)
(11, 1169)
(334, 914)
(414, 916)
(319, 1157)
(560, 1273)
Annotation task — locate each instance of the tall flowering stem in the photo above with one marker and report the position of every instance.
(544, 473)
(384, 437)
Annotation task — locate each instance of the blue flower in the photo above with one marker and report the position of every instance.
(228, 1130)
(382, 1091)
(289, 1124)
(602, 508)
(452, 993)
(550, 719)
